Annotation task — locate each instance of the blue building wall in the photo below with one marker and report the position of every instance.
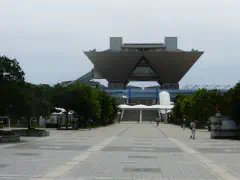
(148, 93)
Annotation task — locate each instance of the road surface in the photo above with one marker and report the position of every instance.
(121, 152)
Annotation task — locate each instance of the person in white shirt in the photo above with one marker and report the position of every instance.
(193, 127)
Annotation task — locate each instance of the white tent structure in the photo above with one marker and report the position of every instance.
(61, 111)
(60, 117)
(141, 106)
(163, 108)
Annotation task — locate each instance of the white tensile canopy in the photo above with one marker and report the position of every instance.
(164, 107)
(123, 106)
(141, 106)
(62, 111)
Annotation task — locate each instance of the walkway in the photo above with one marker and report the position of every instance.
(121, 151)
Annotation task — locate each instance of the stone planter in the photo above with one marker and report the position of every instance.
(10, 138)
(222, 128)
(32, 133)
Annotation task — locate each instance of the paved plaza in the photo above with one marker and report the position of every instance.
(122, 152)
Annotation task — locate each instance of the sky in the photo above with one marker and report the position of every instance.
(48, 37)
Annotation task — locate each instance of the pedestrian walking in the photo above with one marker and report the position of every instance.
(90, 122)
(157, 121)
(193, 128)
(119, 117)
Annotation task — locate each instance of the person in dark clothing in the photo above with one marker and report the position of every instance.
(91, 123)
(157, 121)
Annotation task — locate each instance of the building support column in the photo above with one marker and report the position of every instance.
(129, 96)
(166, 117)
(159, 113)
(140, 116)
(122, 114)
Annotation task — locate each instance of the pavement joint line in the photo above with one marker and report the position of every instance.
(43, 179)
(121, 133)
(46, 138)
(72, 163)
(208, 163)
(164, 135)
(46, 159)
(186, 162)
(80, 158)
(128, 161)
(96, 148)
(13, 175)
(57, 172)
(143, 162)
(142, 149)
(67, 166)
(53, 137)
(238, 175)
(10, 145)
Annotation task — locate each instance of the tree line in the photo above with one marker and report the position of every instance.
(22, 99)
(202, 105)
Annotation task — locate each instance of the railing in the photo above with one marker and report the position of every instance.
(208, 87)
(154, 90)
(85, 78)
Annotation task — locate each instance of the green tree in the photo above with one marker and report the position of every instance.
(11, 80)
(236, 103)
(199, 106)
(229, 101)
(237, 86)
(42, 102)
(83, 105)
(177, 105)
(202, 104)
(81, 99)
(115, 109)
(106, 107)
(10, 71)
(63, 98)
(30, 103)
(96, 110)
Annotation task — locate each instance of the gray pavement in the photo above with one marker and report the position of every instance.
(121, 151)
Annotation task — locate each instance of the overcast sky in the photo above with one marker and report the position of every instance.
(48, 37)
